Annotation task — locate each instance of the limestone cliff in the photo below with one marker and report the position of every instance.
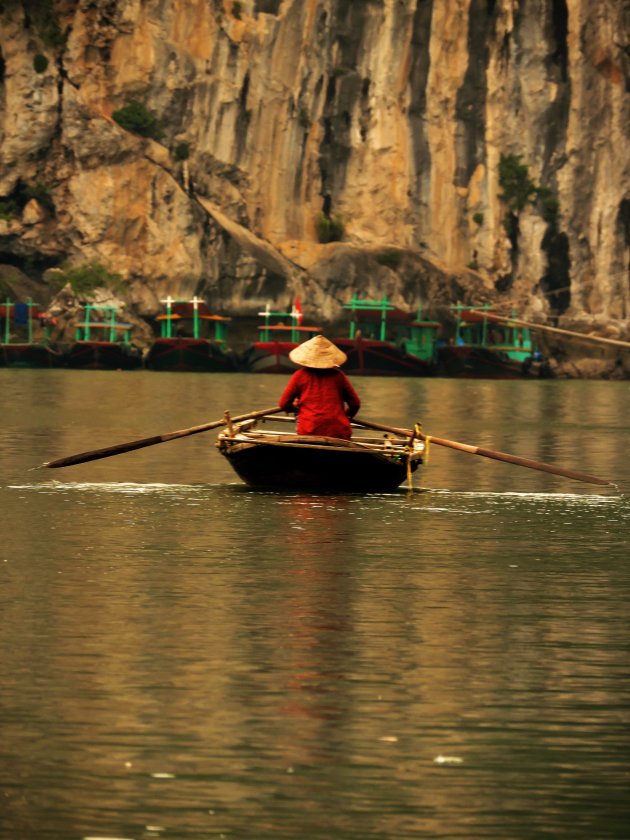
(461, 149)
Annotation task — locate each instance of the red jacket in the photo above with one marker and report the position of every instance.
(319, 396)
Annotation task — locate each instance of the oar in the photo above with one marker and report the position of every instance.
(490, 453)
(119, 448)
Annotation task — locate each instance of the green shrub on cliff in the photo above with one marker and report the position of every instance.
(8, 209)
(12, 205)
(137, 118)
(181, 151)
(518, 190)
(329, 229)
(87, 277)
(517, 187)
(549, 206)
(40, 16)
(41, 192)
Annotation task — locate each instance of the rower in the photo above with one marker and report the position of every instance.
(319, 392)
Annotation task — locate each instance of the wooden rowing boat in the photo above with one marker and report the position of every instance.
(274, 459)
(266, 459)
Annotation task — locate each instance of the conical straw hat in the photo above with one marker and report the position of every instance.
(317, 352)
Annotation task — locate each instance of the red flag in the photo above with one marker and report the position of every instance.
(297, 308)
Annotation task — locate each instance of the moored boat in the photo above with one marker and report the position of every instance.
(483, 349)
(280, 333)
(273, 459)
(175, 351)
(103, 344)
(18, 348)
(386, 341)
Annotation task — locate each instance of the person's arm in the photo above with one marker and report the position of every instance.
(290, 393)
(350, 396)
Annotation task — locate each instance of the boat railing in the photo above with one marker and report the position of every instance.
(482, 326)
(19, 316)
(195, 309)
(359, 305)
(380, 320)
(295, 329)
(114, 332)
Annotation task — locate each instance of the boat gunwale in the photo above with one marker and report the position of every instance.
(240, 441)
(369, 443)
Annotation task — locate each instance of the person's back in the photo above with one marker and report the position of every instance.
(319, 391)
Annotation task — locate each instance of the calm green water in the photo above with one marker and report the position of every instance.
(182, 657)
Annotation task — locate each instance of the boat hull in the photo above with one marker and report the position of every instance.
(483, 363)
(101, 355)
(319, 469)
(269, 357)
(29, 356)
(369, 357)
(189, 354)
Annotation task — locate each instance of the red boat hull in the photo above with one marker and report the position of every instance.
(102, 355)
(189, 354)
(270, 357)
(369, 357)
(28, 356)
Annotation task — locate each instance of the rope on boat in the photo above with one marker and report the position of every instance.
(410, 448)
(418, 434)
(427, 440)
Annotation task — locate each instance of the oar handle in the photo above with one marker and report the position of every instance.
(491, 453)
(120, 448)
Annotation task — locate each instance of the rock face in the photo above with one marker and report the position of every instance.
(397, 122)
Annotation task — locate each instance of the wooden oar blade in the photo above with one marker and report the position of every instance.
(95, 454)
(120, 448)
(491, 453)
(539, 465)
